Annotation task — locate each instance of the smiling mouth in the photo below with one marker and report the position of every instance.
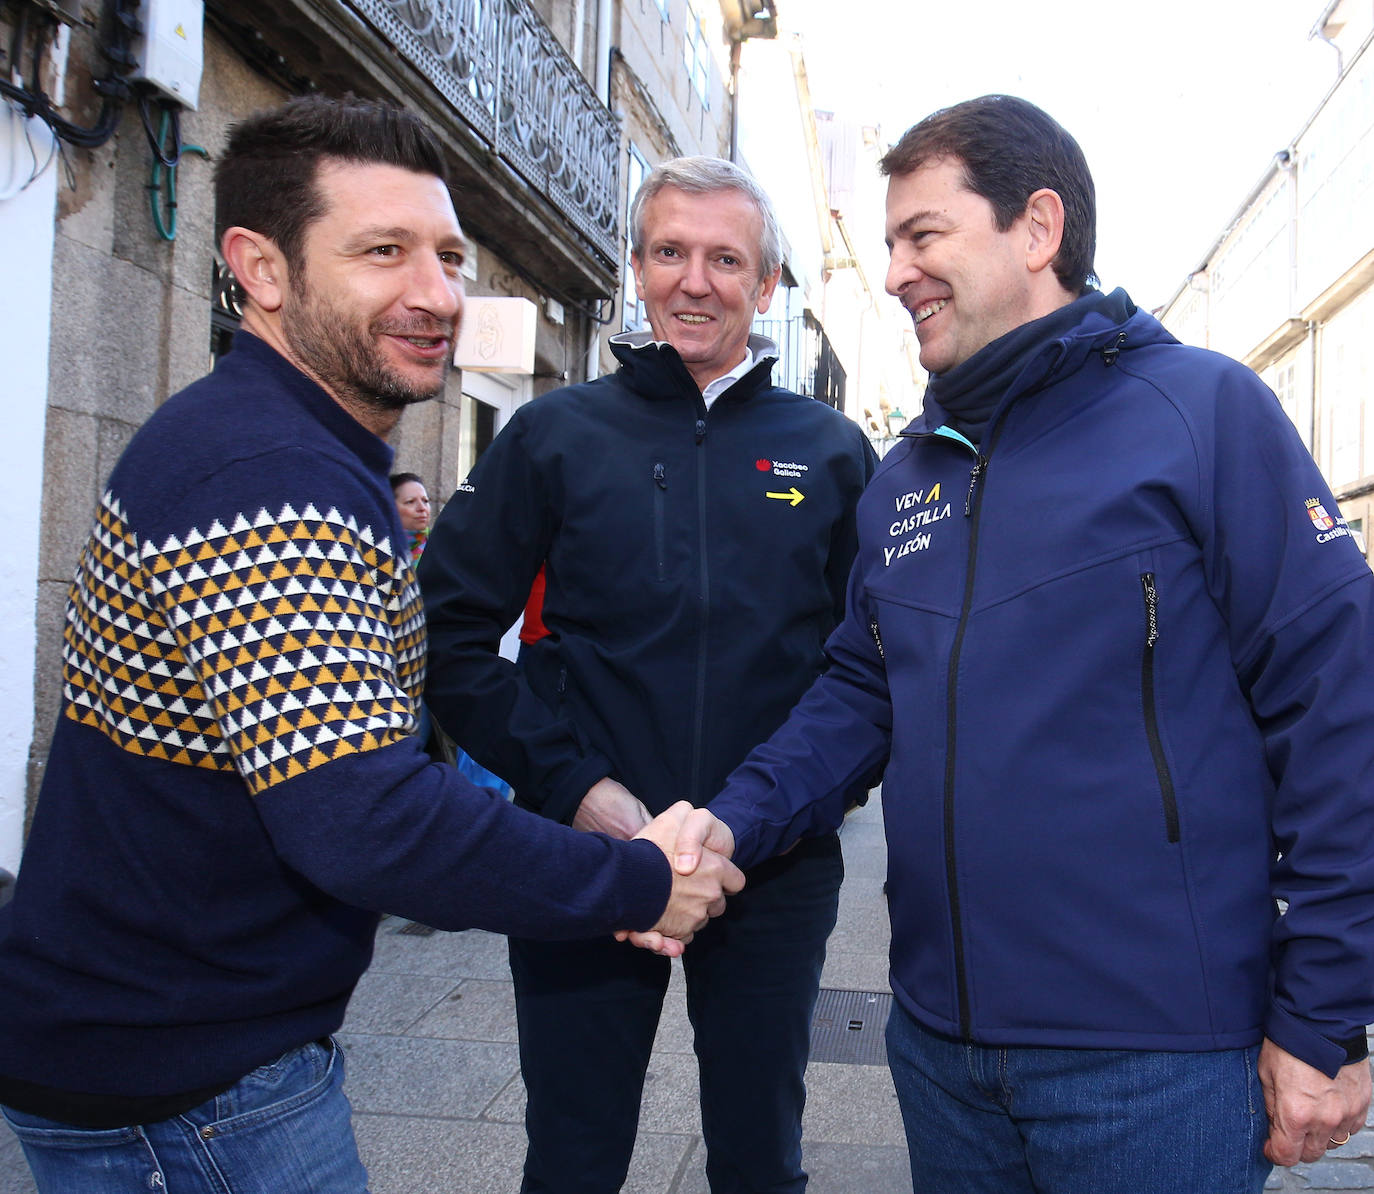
(921, 314)
(693, 319)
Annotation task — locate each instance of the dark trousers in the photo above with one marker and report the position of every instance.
(588, 1012)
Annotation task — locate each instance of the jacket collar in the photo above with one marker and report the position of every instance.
(1107, 325)
(654, 369)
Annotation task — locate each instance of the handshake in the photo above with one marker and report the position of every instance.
(698, 848)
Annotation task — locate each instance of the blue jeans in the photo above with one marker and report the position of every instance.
(1022, 1120)
(588, 1012)
(286, 1128)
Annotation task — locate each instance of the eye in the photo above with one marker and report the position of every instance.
(666, 251)
(452, 259)
(727, 259)
(386, 250)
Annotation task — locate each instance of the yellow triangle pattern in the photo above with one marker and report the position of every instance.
(270, 646)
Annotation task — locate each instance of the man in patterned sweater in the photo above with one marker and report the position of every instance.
(233, 791)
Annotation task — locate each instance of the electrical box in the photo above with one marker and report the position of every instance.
(170, 50)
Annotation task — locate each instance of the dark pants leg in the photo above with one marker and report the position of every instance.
(587, 1012)
(752, 978)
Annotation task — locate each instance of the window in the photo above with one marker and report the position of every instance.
(631, 305)
(1347, 374)
(1290, 387)
(696, 57)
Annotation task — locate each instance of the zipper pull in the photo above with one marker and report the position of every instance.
(1147, 583)
(659, 479)
(701, 430)
(877, 639)
(974, 477)
(1112, 351)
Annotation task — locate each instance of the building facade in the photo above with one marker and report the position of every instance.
(1288, 287)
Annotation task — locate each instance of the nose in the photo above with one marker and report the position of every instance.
(435, 289)
(695, 279)
(902, 271)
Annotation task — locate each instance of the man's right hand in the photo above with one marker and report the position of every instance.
(610, 808)
(699, 890)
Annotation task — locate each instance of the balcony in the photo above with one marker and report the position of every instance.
(534, 154)
(500, 68)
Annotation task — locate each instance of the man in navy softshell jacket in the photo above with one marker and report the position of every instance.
(1115, 642)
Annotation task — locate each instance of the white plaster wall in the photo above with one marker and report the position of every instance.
(26, 231)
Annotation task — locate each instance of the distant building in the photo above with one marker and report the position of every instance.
(1288, 287)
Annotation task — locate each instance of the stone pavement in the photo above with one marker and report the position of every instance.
(435, 1083)
(438, 1102)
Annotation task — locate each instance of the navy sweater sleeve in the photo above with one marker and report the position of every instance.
(304, 629)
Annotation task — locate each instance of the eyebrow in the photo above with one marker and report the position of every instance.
(367, 237)
(674, 241)
(924, 216)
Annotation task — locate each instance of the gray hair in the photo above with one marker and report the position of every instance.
(705, 176)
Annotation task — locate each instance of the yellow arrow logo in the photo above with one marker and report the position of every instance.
(793, 495)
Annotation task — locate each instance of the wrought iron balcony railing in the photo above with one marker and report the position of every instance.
(807, 363)
(505, 74)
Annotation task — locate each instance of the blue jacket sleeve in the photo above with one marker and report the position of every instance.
(482, 556)
(837, 738)
(1298, 599)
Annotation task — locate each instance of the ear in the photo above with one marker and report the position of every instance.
(770, 284)
(1044, 228)
(258, 266)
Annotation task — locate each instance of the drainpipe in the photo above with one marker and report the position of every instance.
(734, 100)
(1312, 386)
(1320, 34)
(579, 18)
(603, 51)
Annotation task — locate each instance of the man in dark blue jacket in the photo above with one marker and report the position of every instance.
(697, 523)
(1116, 641)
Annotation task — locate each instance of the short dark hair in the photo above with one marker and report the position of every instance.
(266, 178)
(399, 479)
(1010, 149)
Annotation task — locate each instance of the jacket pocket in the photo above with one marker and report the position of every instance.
(660, 521)
(1147, 698)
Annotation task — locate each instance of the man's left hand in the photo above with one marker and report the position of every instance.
(1309, 1112)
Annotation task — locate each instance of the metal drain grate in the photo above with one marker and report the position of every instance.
(416, 929)
(847, 1027)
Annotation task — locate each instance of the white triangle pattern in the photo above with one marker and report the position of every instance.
(271, 645)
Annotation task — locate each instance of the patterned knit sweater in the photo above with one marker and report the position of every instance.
(233, 792)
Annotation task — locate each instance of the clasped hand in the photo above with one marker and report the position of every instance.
(697, 845)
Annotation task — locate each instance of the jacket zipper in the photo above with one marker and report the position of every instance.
(660, 531)
(973, 506)
(1147, 693)
(704, 601)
